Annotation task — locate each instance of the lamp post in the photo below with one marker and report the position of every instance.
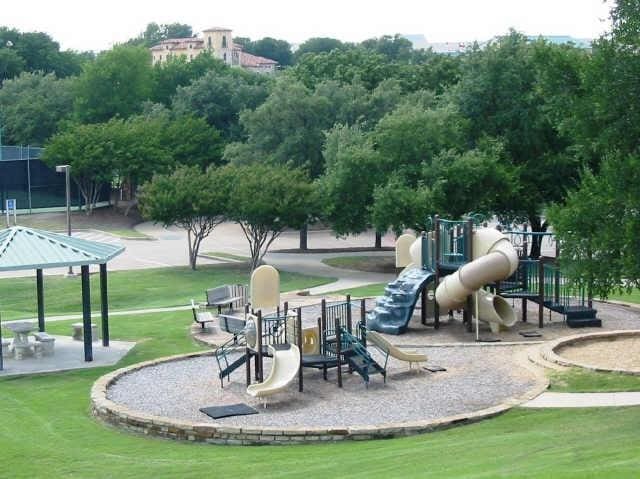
(66, 169)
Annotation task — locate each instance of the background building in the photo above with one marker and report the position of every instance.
(217, 41)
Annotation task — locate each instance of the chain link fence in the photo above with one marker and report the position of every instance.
(34, 185)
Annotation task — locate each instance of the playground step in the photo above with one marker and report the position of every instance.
(580, 312)
(365, 367)
(584, 322)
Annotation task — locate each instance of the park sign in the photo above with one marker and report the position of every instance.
(11, 205)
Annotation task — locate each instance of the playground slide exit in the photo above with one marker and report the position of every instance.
(494, 259)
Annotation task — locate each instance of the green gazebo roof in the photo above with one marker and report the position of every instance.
(26, 248)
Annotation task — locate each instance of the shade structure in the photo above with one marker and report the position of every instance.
(24, 248)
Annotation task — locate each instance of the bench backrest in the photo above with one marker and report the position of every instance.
(218, 294)
(231, 324)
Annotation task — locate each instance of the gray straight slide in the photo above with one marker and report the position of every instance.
(393, 311)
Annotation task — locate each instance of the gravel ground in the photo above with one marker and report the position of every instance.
(608, 353)
(613, 317)
(476, 378)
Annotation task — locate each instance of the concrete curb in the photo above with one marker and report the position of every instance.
(548, 350)
(214, 433)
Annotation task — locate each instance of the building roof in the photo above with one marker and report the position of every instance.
(177, 44)
(25, 248)
(217, 29)
(249, 60)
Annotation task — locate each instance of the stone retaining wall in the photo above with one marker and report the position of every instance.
(548, 351)
(209, 432)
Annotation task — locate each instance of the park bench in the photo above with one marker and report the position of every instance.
(234, 296)
(201, 317)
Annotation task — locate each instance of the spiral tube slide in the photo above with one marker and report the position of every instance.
(495, 259)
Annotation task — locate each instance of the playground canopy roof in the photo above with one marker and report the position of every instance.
(25, 248)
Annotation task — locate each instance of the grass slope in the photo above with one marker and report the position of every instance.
(369, 291)
(134, 289)
(580, 380)
(46, 431)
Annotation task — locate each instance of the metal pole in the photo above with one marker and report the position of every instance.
(1, 350)
(40, 290)
(299, 341)
(28, 176)
(436, 306)
(104, 304)
(68, 194)
(86, 313)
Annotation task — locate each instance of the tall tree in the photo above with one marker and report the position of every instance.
(32, 106)
(220, 96)
(497, 93)
(598, 227)
(178, 71)
(318, 45)
(353, 171)
(278, 50)
(188, 199)
(11, 64)
(287, 129)
(38, 52)
(87, 149)
(155, 33)
(393, 47)
(116, 84)
(265, 200)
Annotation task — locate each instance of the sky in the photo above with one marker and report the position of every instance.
(98, 25)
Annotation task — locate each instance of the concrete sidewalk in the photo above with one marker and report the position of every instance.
(566, 400)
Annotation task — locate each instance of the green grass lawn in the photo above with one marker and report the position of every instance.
(581, 380)
(135, 289)
(46, 431)
(369, 291)
(633, 297)
(372, 264)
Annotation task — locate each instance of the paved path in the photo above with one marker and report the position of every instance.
(556, 400)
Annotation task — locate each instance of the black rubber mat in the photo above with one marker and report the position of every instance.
(530, 334)
(218, 412)
(434, 368)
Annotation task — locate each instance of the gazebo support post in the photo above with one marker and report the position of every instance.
(104, 304)
(86, 313)
(40, 291)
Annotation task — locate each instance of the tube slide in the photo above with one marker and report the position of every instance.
(495, 259)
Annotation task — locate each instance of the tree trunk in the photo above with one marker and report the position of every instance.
(378, 244)
(537, 226)
(303, 237)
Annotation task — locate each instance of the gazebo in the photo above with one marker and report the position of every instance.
(24, 248)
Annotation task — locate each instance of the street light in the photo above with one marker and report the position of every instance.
(66, 169)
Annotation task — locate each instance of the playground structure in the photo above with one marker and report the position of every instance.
(335, 342)
(461, 259)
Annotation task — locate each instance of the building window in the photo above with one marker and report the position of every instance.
(191, 57)
(224, 41)
(160, 57)
(224, 56)
(209, 41)
(190, 46)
